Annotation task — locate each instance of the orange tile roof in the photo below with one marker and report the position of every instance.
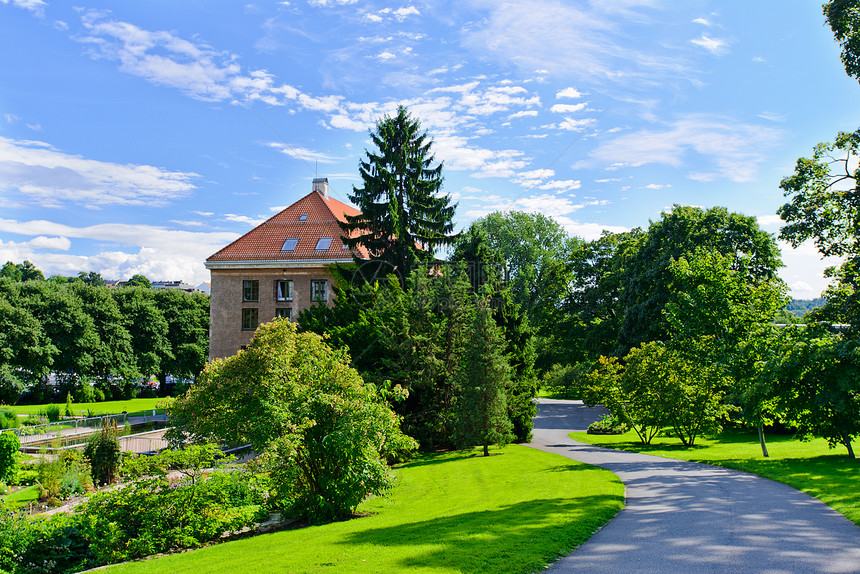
(264, 242)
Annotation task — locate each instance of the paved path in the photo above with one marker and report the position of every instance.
(684, 517)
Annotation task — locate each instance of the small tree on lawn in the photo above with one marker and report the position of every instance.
(482, 380)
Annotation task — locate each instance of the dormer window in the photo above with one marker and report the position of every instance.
(290, 244)
(303, 217)
(323, 244)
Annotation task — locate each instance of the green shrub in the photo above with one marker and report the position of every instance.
(9, 445)
(608, 424)
(51, 412)
(16, 536)
(63, 478)
(104, 454)
(69, 412)
(8, 419)
(154, 514)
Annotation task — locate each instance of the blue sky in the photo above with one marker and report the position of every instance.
(140, 137)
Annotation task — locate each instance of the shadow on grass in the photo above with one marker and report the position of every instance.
(520, 537)
(432, 459)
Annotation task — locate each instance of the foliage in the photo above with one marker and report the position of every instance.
(535, 248)
(647, 278)
(8, 419)
(9, 445)
(403, 216)
(592, 313)
(843, 17)
(25, 271)
(156, 513)
(62, 478)
(103, 453)
(52, 413)
(658, 386)
(608, 424)
(482, 378)
(415, 338)
(567, 381)
(91, 278)
(819, 387)
(323, 432)
(139, 280)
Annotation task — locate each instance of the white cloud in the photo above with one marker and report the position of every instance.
(52, 243)
(251, 221)
(523, 114)
(701, 21)
(568, 93)
(773, 117)
(569, 40)
(804, 270)
(734, 149)
(51, 178)
(158, 252)
(772, 222)
(715, 46)
(403, 13)
(386, 55)
(573, 125)
(37, 7)
(301, 153)
(324, 3)
(657, 186)
(568, 108)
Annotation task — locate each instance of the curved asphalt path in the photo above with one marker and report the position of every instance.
(685, 517)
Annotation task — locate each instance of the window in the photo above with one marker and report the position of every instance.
(323, 244)
(319, 290)
(303, 217)
(250, 290)
(283, 290)
(250, 319)
(345, 246)
(290, 244)
(285, 312)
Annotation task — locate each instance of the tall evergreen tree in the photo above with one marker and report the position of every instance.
(404, 217)
(483, 378)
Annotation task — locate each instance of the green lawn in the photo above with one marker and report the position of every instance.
(104, 408)
(827, 474)
(22, 497)
(452, 512)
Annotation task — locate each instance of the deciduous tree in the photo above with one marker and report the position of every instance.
(323, 432)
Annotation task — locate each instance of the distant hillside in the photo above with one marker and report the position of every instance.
(799, 307)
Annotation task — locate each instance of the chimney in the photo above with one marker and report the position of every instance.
(321, 186)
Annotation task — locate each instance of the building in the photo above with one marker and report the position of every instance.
(178, 285)
(277, 269)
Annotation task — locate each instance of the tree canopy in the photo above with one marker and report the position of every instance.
(404, 215)
(843, 17)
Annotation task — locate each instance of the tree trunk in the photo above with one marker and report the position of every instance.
(487, 450)
(162, 385)
(761, 441)
(846, 439)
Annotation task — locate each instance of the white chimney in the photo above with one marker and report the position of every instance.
(321, 186)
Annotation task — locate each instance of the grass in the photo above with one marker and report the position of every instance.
(827, 474)
(451, 512)
(22, 497)
(103, 408)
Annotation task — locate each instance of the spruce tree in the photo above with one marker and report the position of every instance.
(404, 217)
(482, 381)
